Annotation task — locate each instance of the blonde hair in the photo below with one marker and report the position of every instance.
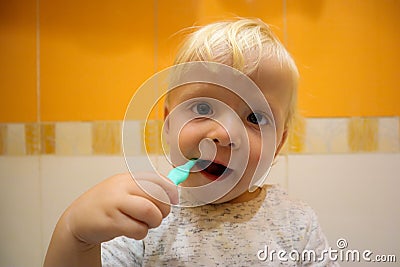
(241, 43)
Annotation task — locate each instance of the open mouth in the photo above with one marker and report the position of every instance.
(212, 170)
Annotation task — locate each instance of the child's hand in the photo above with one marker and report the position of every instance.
(117, 206)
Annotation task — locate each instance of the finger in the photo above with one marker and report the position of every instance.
(156, 194)
(130, 227)
(167, 185)
(143, 210)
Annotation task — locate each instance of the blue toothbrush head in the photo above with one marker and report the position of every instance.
(181, 173)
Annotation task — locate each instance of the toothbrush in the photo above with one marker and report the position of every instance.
(181, 173)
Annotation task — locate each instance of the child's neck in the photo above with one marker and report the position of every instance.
(246, 196)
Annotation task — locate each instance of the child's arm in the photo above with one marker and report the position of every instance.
(115, 207)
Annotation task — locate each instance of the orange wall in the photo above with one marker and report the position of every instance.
(93, 55)
(348, 54)
(17, 61)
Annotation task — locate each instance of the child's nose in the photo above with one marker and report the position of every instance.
(227, 134)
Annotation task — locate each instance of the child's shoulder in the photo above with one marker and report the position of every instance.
(294, 222)
(276, 195)
(279, 203)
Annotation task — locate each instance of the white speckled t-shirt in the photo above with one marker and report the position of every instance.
(241, 234)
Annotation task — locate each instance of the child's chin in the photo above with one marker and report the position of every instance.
(235, 193)
(195, 182)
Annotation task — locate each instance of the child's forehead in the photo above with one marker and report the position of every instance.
(197, 89)
(205, 90)
(268, 78)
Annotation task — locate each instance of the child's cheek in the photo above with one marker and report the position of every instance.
(255, 147)
(178, 140)
(189, 140)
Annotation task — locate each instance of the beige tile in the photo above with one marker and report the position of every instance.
(106, 138)
(15, 139)
(363, 134)
(388, 135)
(3, 138)
(47, 138)
(326, 135)
(20, 211)
(73, 138)
(32, 139)
(132, 138)
(295, 143)
(338, 141)
(315, 138)
(63, 179)
(352, 194)
(152, 136)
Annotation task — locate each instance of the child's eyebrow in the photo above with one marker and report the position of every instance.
(196, 91)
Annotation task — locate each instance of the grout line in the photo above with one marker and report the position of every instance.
(38, 121)
(38, 115)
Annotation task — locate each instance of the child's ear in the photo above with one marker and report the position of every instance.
(282, 142)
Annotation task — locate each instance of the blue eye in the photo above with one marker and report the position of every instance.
(257, 118)
(202, 109)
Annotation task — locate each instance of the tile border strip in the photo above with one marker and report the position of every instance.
(310, 136)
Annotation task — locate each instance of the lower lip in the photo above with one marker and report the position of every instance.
(209, 176)
(212, 177)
